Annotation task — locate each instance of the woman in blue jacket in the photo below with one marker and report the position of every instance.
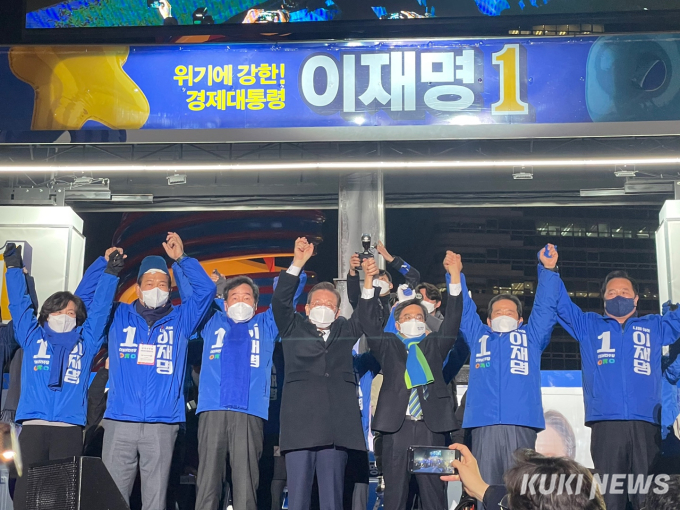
(59, 346)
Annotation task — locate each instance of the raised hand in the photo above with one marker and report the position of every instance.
(383, 251)
(173, 246)
(549, 261)
(215, 275)
(303, 251)
(370, 271)
(115, 260)
(108, 252)
(354, 264)
(12, 255)
(454, 265)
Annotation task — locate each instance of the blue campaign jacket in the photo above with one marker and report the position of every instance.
(153, 393)
(264, 335)
(621, 366)
(37, 401)
(505, 368)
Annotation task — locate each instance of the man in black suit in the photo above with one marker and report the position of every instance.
(415, 406)
(320, 416)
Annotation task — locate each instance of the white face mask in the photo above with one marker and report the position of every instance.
(504, 324)
(61, 323)
(383, 286)
(240, 312)
(412, 329)
(321, 316)
(155, 298)
(429, 306)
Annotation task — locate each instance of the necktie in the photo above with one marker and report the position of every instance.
(414, 408)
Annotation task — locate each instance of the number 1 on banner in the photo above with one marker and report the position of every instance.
(510, 102)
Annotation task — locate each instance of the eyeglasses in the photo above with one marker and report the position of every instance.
(505, 503)
(409, 317)
(329, 304)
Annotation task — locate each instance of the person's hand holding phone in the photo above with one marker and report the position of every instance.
(468, 473)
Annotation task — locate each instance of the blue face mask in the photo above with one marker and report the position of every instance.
(619, 306)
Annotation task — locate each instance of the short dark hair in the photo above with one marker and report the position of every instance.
(400, 308)
(620, 274)
(58, 301)
(324, 286)
(383, 272)
(501, 297)
(237, 281)
(431, 292)
(529, 464)
(559, 423)
(670, 500)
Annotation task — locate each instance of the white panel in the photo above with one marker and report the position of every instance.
(58, 246)
(668, 252)
(44, 216)
(77, 256)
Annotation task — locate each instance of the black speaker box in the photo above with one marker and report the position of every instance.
(77, 483)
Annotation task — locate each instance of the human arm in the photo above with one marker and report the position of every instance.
(448, 331)
(268, 316)
(366, 362)
(99, 311)
(455, 360)
(366, 319)
(411, 274)
(201, 289)
(354, 282)
(471, 325)
(88, 284)
(26, 328)
(670, 331)
(283, 307)
(8, 343)
(544, 311)
(570, 316)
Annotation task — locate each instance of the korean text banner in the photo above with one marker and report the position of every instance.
(420, 85)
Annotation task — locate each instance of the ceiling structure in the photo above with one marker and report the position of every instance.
(133, 177)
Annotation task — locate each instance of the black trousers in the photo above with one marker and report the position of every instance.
(395, 468)
(40, 443)
(624, 447)
(329, 465)
(357, 477)
(237, 437)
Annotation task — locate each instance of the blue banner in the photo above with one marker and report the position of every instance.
(508, 82)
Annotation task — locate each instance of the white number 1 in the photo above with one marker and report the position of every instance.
(606, 342)
(483, 351)
(130, 338)
(220, 338)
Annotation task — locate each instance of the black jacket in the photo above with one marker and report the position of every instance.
(412, 278)
(319, 406)
(391, 353)
(493, 496)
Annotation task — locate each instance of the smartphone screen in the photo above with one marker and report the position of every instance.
(433, 460)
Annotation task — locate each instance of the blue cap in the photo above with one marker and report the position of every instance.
(153, 262)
